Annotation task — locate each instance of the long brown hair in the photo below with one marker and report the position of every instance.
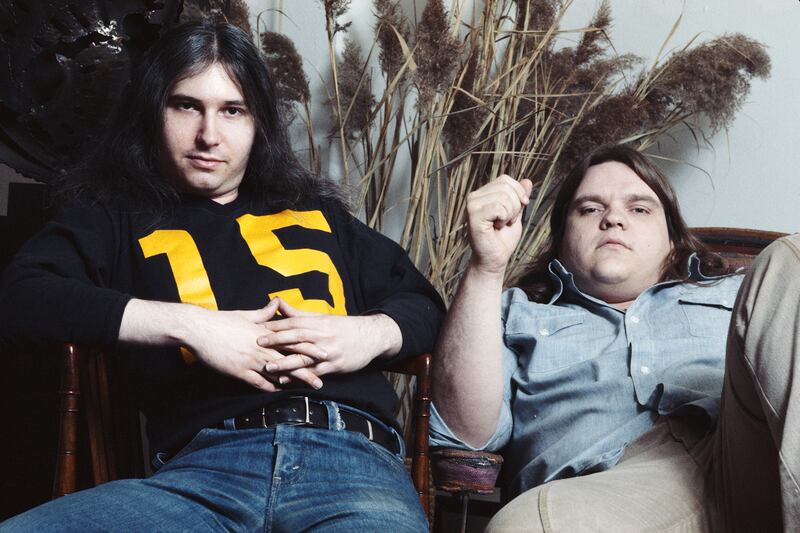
(126, 160)
(535, 281)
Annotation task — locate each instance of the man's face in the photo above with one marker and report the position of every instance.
(616, 241)
(208, 134)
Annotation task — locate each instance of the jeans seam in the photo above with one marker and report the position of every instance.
(543, 515)
(789, 473)
(274, 483)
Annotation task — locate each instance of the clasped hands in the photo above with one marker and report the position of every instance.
(298, 349)
(319, 344)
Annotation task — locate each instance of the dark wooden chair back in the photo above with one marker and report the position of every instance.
(110, 420)
(737, 246)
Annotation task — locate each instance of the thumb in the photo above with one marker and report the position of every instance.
(288, 311)
(527, 185)
(264, 314)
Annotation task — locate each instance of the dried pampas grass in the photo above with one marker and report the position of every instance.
(499, 92)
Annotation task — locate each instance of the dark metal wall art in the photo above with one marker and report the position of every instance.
(62, 67)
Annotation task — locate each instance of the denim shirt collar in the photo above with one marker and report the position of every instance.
(564, 281)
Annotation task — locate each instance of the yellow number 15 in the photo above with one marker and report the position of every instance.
(258, 232)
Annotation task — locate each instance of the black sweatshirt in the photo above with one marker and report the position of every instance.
(72, 281)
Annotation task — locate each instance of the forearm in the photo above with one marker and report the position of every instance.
(468, 370)
(150, 323)
(390, 284)
(386, 334)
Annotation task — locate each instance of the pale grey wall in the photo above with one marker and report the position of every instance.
(749, 176)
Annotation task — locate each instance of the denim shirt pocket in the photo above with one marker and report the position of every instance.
(706, 315)
(550, 342)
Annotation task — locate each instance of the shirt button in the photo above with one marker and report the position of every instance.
(635, 319)
(544, 332)
(724, 302)
(645, 370)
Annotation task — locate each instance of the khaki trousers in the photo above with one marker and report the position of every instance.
(744, 476)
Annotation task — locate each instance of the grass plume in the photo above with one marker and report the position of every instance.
(390, 23)
(355, 88)
(436, 53)
(286, 67)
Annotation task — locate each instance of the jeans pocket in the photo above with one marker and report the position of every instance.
(159, 460)
(162, 458)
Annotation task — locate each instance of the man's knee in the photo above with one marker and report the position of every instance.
(783, 255)
(520, 514)
(659, 490)
(765, 322)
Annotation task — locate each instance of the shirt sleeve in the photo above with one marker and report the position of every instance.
(57, 288)
(442, 435)
(386, 281)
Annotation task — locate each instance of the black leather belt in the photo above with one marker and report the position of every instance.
(303, 411)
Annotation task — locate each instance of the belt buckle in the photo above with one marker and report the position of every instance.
(306, 421)
(264, 417)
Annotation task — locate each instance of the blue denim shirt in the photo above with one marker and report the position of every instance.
(584, 379)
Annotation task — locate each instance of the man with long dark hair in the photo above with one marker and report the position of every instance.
(601, 376)
(181, 240)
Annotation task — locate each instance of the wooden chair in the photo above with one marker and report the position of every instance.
(464, 473)
(88, 382)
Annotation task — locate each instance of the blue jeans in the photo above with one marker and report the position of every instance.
(281, 479)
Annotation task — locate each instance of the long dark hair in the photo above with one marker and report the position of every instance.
(126, 160)
(535, 281)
